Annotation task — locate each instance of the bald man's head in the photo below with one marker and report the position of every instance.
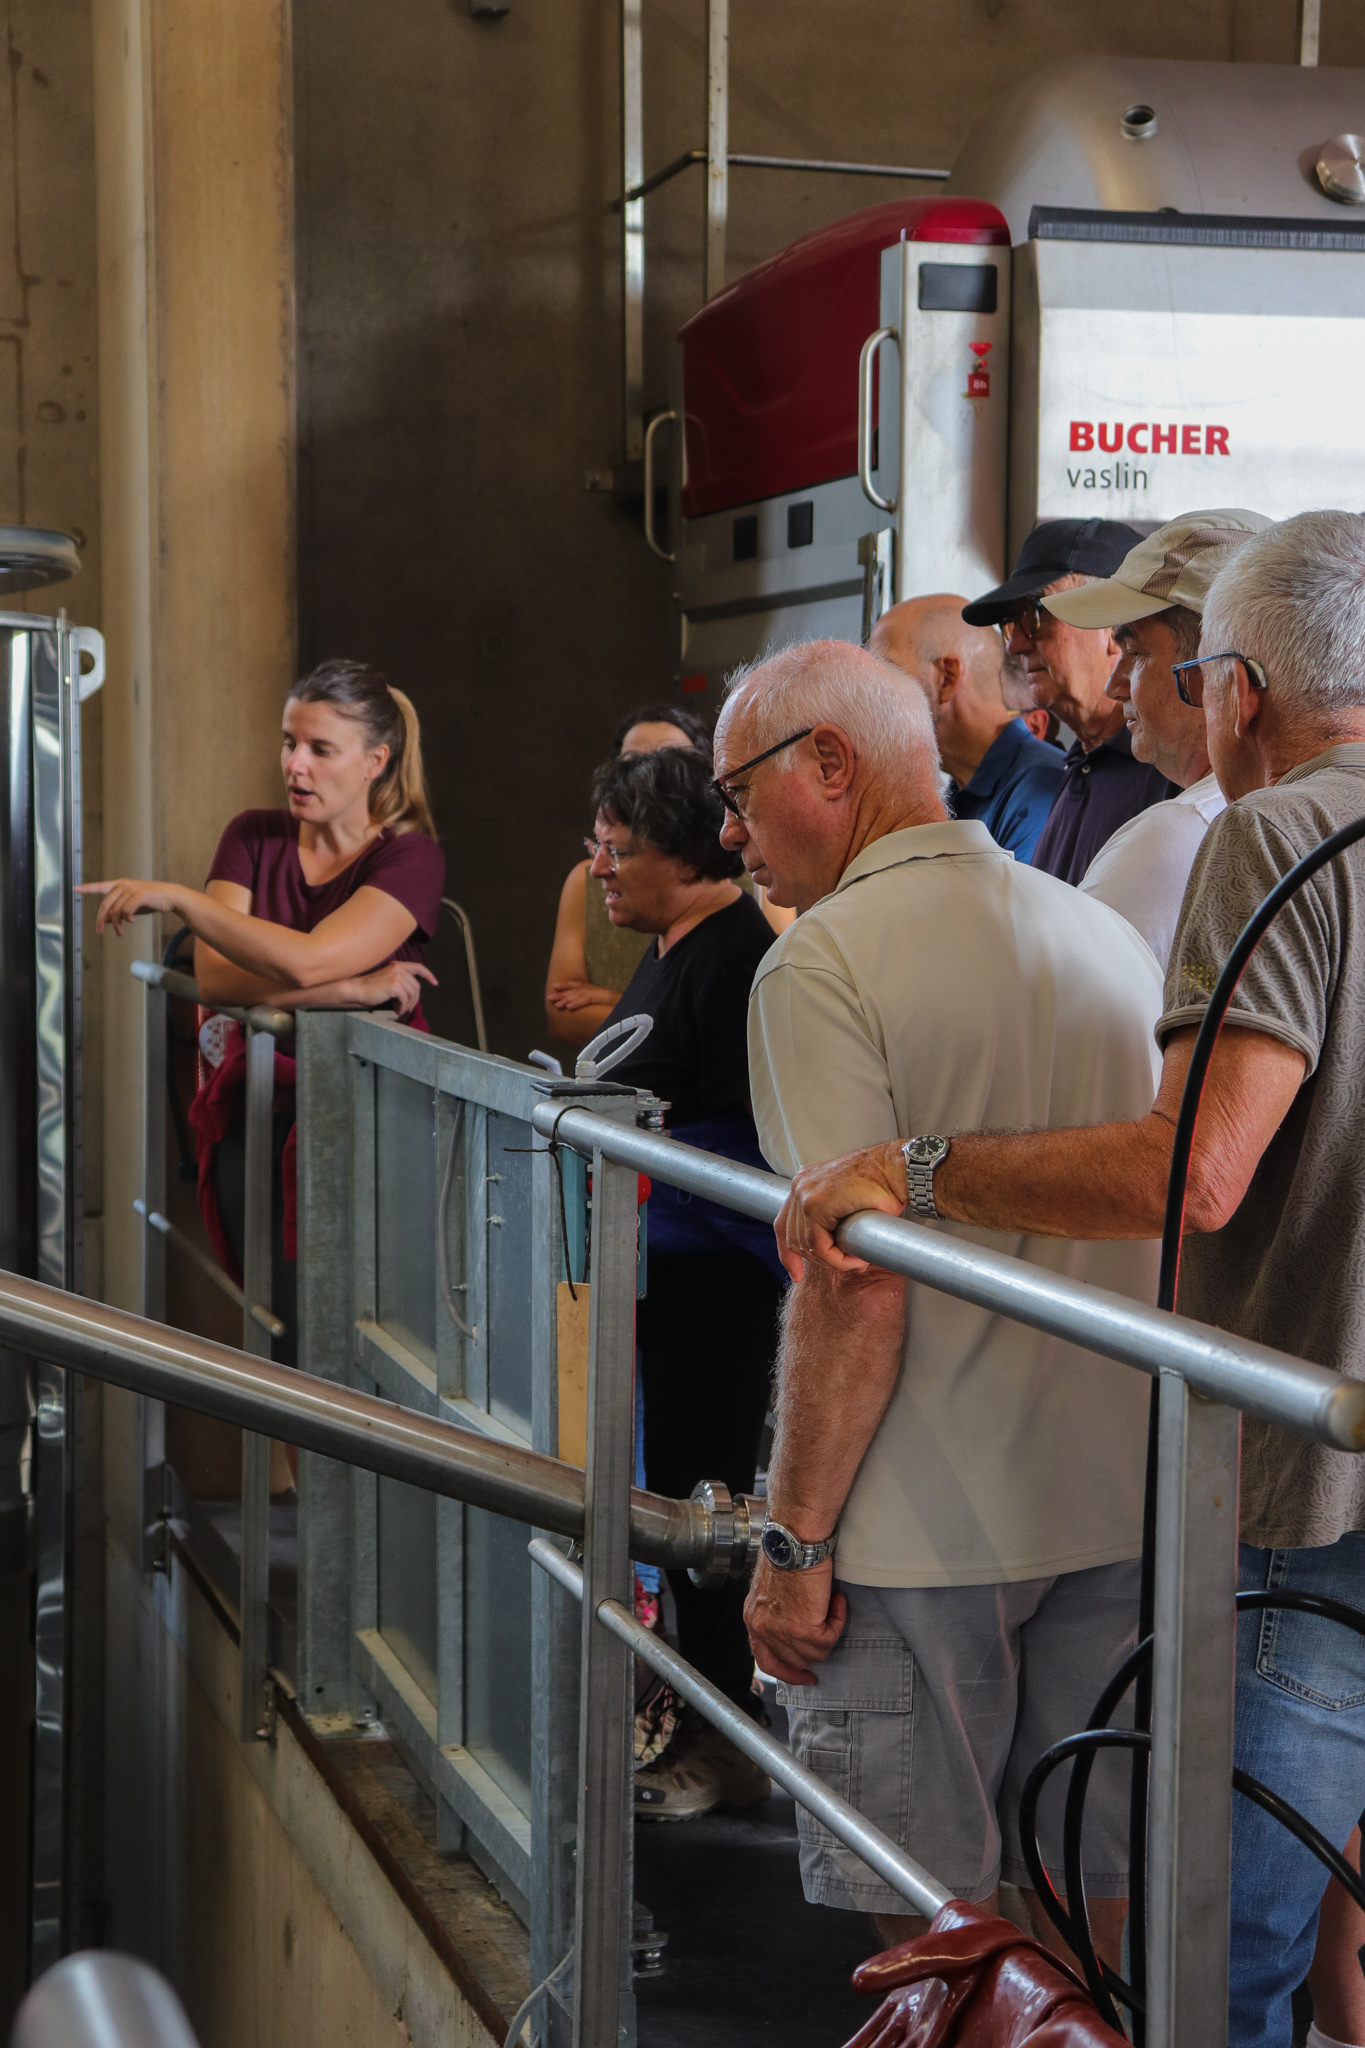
(918, 635)
(957, 666)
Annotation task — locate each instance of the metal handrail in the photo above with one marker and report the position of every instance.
(471, 961)
(1302, 1396)
(279, 1023)
(900, 1871)
(779, 163)
(186, 1246)
(320, 1415)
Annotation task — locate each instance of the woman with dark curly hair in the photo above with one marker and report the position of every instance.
(707, 1327)
(592, 959)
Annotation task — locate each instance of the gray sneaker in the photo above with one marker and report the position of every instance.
(699, 1770)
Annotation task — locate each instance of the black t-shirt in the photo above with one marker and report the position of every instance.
(697, 1055)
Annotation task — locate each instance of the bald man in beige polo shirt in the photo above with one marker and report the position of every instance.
(978, 1484)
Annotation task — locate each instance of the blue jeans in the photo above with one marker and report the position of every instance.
(1301, 1731)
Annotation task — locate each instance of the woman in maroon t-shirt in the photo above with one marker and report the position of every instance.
(329, 903)
(326, 905)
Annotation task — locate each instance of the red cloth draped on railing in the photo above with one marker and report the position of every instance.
(211, 1115)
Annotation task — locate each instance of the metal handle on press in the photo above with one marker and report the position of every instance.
(660, 419)
(865, 362)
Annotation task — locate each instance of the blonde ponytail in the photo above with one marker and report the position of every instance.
(388, 718)
(399, 797)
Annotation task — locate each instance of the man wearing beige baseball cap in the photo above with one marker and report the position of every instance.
(1153, 603)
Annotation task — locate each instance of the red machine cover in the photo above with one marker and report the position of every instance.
(770, 367)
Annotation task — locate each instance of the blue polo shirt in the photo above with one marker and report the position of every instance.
(1013, 789)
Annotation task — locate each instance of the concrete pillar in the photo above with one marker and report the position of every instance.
(194, 230)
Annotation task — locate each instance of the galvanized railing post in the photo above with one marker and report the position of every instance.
(257, 1700)
(1194, 1646)
(155, 1022)
(603, 2000)
(152, 1414)
(326, 1490)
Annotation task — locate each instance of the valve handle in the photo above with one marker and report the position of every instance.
(632, 1031)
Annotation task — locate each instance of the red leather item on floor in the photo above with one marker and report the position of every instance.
(974, 1981)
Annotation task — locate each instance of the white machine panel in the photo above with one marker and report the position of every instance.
(1151, 379)
(757, 577)
(949, 306)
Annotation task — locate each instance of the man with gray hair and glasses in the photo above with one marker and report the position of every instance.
(1275, 1209)
(1153, 605)
(949, 1567)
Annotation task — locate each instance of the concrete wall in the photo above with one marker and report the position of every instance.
(459, 345)
(234, 1868)
(193, 114)
(48, 411)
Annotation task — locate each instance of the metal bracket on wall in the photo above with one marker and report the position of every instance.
(264, 1712)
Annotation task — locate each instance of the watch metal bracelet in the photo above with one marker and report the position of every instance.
(922, 1155)
(786, 1552)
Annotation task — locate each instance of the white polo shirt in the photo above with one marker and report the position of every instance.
(1142, 871)
(945, 987)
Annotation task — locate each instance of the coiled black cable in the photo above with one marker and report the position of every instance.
(1072, 1920)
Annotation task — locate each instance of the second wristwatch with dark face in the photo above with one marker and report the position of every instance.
(786, 1552)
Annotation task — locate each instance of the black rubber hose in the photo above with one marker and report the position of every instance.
(1137, 1666)
(1100, 1979)
(1072, 1920)
(1056, 1911)
(1142, 1718)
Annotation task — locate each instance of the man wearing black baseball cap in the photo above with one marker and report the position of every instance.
(1102, 785)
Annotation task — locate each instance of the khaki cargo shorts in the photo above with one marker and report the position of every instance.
(931, 1712)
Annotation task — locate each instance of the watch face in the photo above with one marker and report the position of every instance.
(924, 1151)
(778, 1547)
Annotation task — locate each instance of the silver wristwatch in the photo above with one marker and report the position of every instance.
(921, 1156)
(786, 1552)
